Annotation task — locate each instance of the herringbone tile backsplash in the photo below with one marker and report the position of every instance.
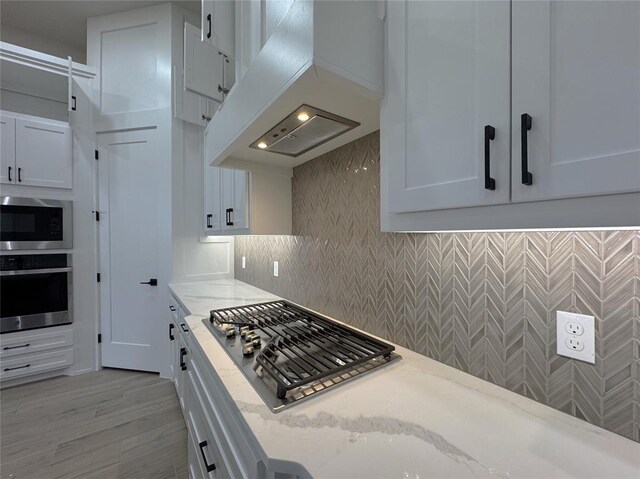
(484, 303)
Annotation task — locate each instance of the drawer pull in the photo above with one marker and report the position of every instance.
(171, 337)
(210, 467)
(184, 327)
(6, 348)
(17, 367)
(183, 353)
(172, 308)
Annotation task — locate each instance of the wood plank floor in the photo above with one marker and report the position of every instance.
(107, 424)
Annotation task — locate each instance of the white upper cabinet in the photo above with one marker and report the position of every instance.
(446, 112)
(212, 200)
(35, 152)
(576, 73)
(218, 24)
(43, 154)
(539, 100)
(239, 202)
(7, 149)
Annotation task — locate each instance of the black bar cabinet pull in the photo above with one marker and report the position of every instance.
(209, 218)
(184, 327)
(489, 134)
(17, 367)
(171, 326)
(172, 308)
(151, 282)
(229, 212)
(20, 175)
(9, 173)
(210, 467)
(73, 103)
(525, 126)
(209, 20)
(16, 347)
(183, 353)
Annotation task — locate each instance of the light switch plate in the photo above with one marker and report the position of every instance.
(244, 262)
(275, 268)
(576, 336)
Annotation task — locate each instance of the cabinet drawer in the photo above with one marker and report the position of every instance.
(15, 344)
(27, 364)
(206, 438)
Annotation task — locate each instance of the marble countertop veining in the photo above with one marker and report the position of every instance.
(414, 418)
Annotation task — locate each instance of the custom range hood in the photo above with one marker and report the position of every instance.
(315, 85)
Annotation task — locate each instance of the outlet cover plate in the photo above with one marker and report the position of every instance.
(588, 337)
(276, 268)
(244, 262)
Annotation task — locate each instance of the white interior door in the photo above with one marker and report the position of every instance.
(7, 149)
(130, 189)
(576, 73)
(447, 79)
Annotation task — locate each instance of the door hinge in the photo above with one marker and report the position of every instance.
(98, 277)
(99, 338)
(97, 155)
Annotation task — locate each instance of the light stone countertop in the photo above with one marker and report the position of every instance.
(414, 418)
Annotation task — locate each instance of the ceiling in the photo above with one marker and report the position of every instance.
(65, 21)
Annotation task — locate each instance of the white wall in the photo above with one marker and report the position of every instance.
(17, 36)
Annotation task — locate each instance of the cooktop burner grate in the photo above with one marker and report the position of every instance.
(303, 353)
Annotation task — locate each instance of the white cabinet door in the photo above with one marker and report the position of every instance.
(576, 73)
(218, 24)
(190, 106)
(7, 149)
(447, 80)
(203, 65)
(234, 199)
(212, 200)
(43, 154)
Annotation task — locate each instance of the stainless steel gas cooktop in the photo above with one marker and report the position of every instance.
(290, 354)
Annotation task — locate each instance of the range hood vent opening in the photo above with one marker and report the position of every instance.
(304, 129)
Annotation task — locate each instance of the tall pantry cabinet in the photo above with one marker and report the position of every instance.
(511, 115)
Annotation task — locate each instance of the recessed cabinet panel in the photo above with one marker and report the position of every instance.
(7, 149)
(240, 192)
(203, 65)
(43, 154)
(447, 79)
(130, 69)
(576, 73)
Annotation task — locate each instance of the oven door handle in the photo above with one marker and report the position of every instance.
(19, 272)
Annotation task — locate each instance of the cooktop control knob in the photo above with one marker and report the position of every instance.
(247, 349)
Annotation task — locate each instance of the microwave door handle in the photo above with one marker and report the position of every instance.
(35, 271)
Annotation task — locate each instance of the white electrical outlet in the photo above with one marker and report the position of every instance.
(576, 336)
(275, 268)
(244, 262)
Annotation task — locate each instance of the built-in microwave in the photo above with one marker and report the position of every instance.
(31, 223)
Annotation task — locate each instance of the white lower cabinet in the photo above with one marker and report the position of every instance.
(25, 353)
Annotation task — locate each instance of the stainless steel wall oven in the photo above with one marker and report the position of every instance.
(35, 291)
(31, 223)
